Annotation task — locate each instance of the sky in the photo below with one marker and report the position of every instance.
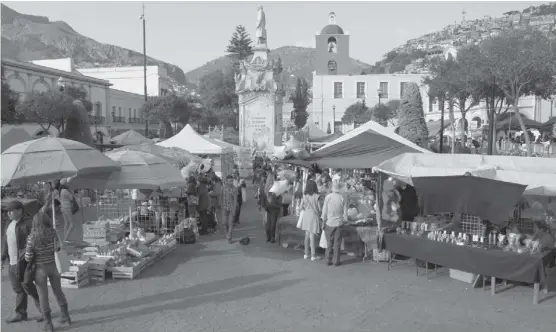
(189, 34)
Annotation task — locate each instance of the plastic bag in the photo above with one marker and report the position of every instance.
(323, 243)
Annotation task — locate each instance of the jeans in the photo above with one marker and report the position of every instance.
(271, 220)
(46, 272)
(334, 239)
(237, 212)
(228, 223)
(68, 223)
(203, 218)
(310, 243)
(22, 290)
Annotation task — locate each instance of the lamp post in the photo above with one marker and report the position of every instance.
(379, 92)
(145, 65)
(334, 117)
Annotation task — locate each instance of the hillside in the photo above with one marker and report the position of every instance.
(297, 61)
(28, 37)
(413, 55)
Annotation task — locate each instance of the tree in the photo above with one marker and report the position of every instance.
(168, 109)
(240, 44)
(411, 116)
(357, 113)
(384, 113)
(300, 101)
(217, 90)
(9, 102)
(522, 64)
(58, 109)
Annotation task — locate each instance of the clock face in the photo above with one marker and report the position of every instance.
(332, 65)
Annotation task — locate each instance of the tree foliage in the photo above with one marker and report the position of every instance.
(385, 113)
(9, 102)
(522, 63)
(357, 113)
(63, 110)
(217, 91)
(168, 109)
(301, 100)
(411, 116)
(240, 44)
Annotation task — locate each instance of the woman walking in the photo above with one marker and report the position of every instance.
(66, 201)
(42, 244)
(310, 220)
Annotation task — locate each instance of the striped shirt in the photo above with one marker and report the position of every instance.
(42, 253)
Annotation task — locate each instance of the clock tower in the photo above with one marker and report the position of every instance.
(332, 46)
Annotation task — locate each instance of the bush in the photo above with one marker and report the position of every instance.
(411, 116)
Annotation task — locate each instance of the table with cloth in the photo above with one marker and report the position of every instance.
(495, 263)
(357, 240)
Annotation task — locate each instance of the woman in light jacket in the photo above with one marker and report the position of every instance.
(310, 220)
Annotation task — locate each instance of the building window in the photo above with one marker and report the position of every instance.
(130, 112)
(119, 111)
(402, 88)
(134, 113)
(98, 109)
(338, 90)
(383, 87)
(361, 90)
(332, 48)
(337, 126)
(114, 109)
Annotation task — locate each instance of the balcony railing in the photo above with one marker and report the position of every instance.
(134, 120)
(154, 122)
(118, 119)
(96, 119)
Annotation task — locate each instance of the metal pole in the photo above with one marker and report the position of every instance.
(492, 117)
(145, 66)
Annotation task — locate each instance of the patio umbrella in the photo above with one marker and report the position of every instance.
(51, 158)
(172, 155)
(139, 170)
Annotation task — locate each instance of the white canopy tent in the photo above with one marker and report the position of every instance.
(188, 139)
(364, 147)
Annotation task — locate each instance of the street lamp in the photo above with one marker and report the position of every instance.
(334, 116)
(379, 92)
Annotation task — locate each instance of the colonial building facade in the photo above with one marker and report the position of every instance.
(114, 110)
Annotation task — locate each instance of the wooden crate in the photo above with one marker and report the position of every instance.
(462, 276)
(98, 267)
(75, 279)
(126, 272)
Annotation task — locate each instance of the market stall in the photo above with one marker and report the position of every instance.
(188, 139)
(483, 216)
(364, 147)
(12, 135)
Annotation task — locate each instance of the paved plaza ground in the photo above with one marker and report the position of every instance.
(216, 286)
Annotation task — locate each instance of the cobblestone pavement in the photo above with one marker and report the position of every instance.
(216, 286)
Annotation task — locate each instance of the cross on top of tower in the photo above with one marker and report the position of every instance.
(332, 18)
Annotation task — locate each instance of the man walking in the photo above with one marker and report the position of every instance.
(334, 214)
(241, 195)
(13, 250)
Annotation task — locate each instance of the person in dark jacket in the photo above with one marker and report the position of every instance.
(13, 251)
(273, 209)
(262, 196)
(203, 204)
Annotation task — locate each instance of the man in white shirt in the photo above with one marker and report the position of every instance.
(334, 215)
(13, 251)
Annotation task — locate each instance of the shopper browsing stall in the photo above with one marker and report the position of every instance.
(229, 201)
(310, 219)
(334, 216)
(241, 195)
(42, 244)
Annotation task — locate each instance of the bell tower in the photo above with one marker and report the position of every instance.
(332, 46)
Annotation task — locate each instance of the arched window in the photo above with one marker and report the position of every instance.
(332, 45)
(477, 122)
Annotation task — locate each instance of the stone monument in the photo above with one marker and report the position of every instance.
(260, 95)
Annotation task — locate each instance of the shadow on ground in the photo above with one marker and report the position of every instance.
(218, 292)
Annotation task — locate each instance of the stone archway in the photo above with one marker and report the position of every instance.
(40, 85)
(477, 122)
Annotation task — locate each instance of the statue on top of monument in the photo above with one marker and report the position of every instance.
(261, 27)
